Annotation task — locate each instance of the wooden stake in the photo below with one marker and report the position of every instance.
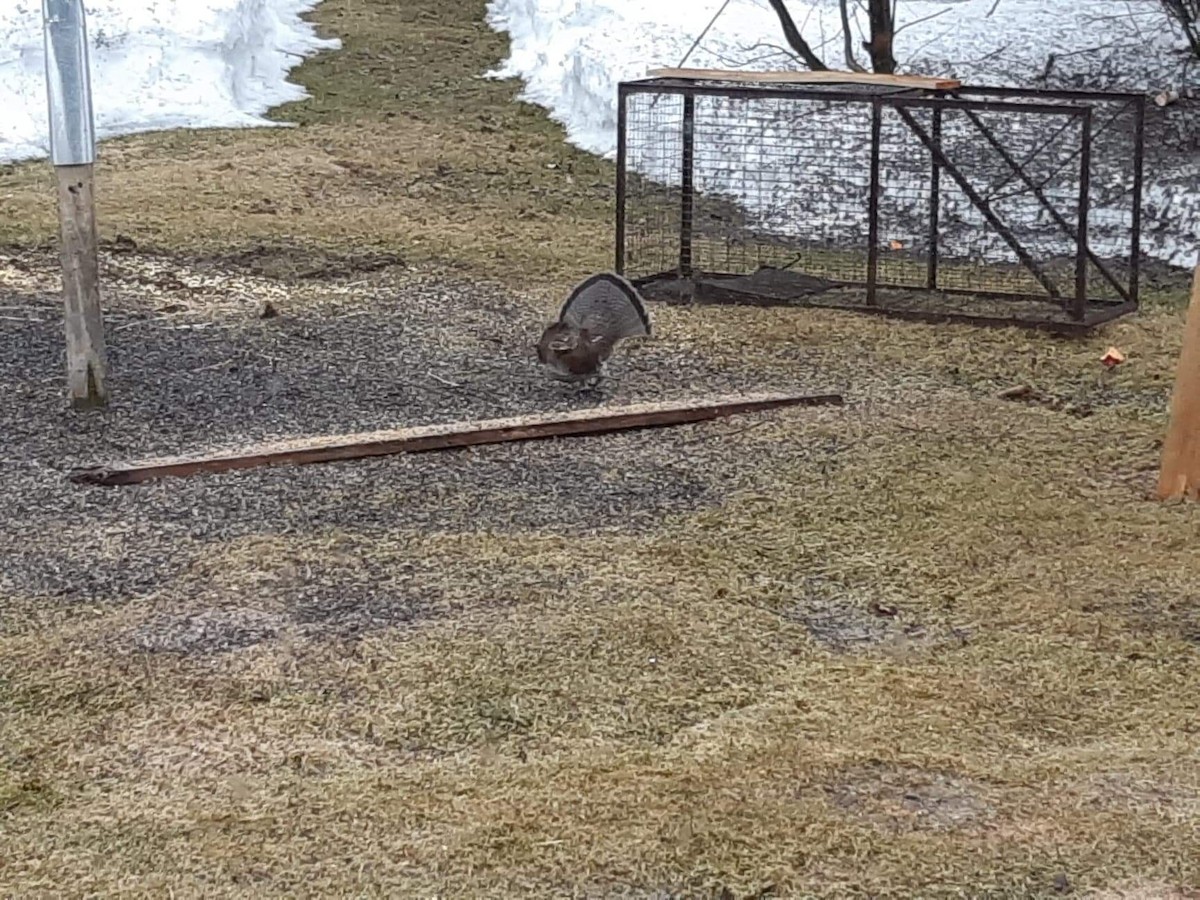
(1179, 475)
(821, 77)
(444, 437)
(87, 366)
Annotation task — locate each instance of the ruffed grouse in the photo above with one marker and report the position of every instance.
(600, 312)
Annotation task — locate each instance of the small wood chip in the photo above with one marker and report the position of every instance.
(1018, 392)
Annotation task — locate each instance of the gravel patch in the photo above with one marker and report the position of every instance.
(206, 631)
(194, 365)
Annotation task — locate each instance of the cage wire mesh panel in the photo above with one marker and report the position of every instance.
(653, 182)
(763, 193)
(789, 200)
(776, 181)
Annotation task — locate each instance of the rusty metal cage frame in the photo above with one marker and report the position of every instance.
(1072, 312)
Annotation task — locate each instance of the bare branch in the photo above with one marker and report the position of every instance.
(847, 42)
(794, 38)
(1186, 15)
(927, 18)
(700, 37)
(775, 52)
(999, 51)
(916, 52)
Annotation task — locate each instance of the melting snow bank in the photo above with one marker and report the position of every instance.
(159, 64)
(571, 55)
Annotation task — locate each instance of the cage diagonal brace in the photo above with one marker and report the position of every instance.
(1068, 229)
(980, 203)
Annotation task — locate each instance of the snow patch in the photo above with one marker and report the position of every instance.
(159, 64)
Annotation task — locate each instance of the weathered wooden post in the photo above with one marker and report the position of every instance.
(1179, 473)
(73, 153)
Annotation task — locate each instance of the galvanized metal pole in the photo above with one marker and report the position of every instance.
(73, 153)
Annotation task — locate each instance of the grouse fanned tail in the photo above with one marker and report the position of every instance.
(606, 306)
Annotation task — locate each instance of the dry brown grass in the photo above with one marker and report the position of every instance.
(614, 714)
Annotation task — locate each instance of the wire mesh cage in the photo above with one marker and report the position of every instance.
(987, 204)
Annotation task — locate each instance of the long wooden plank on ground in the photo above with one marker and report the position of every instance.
(1179, 475)
(824, 77)
(424, 438)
